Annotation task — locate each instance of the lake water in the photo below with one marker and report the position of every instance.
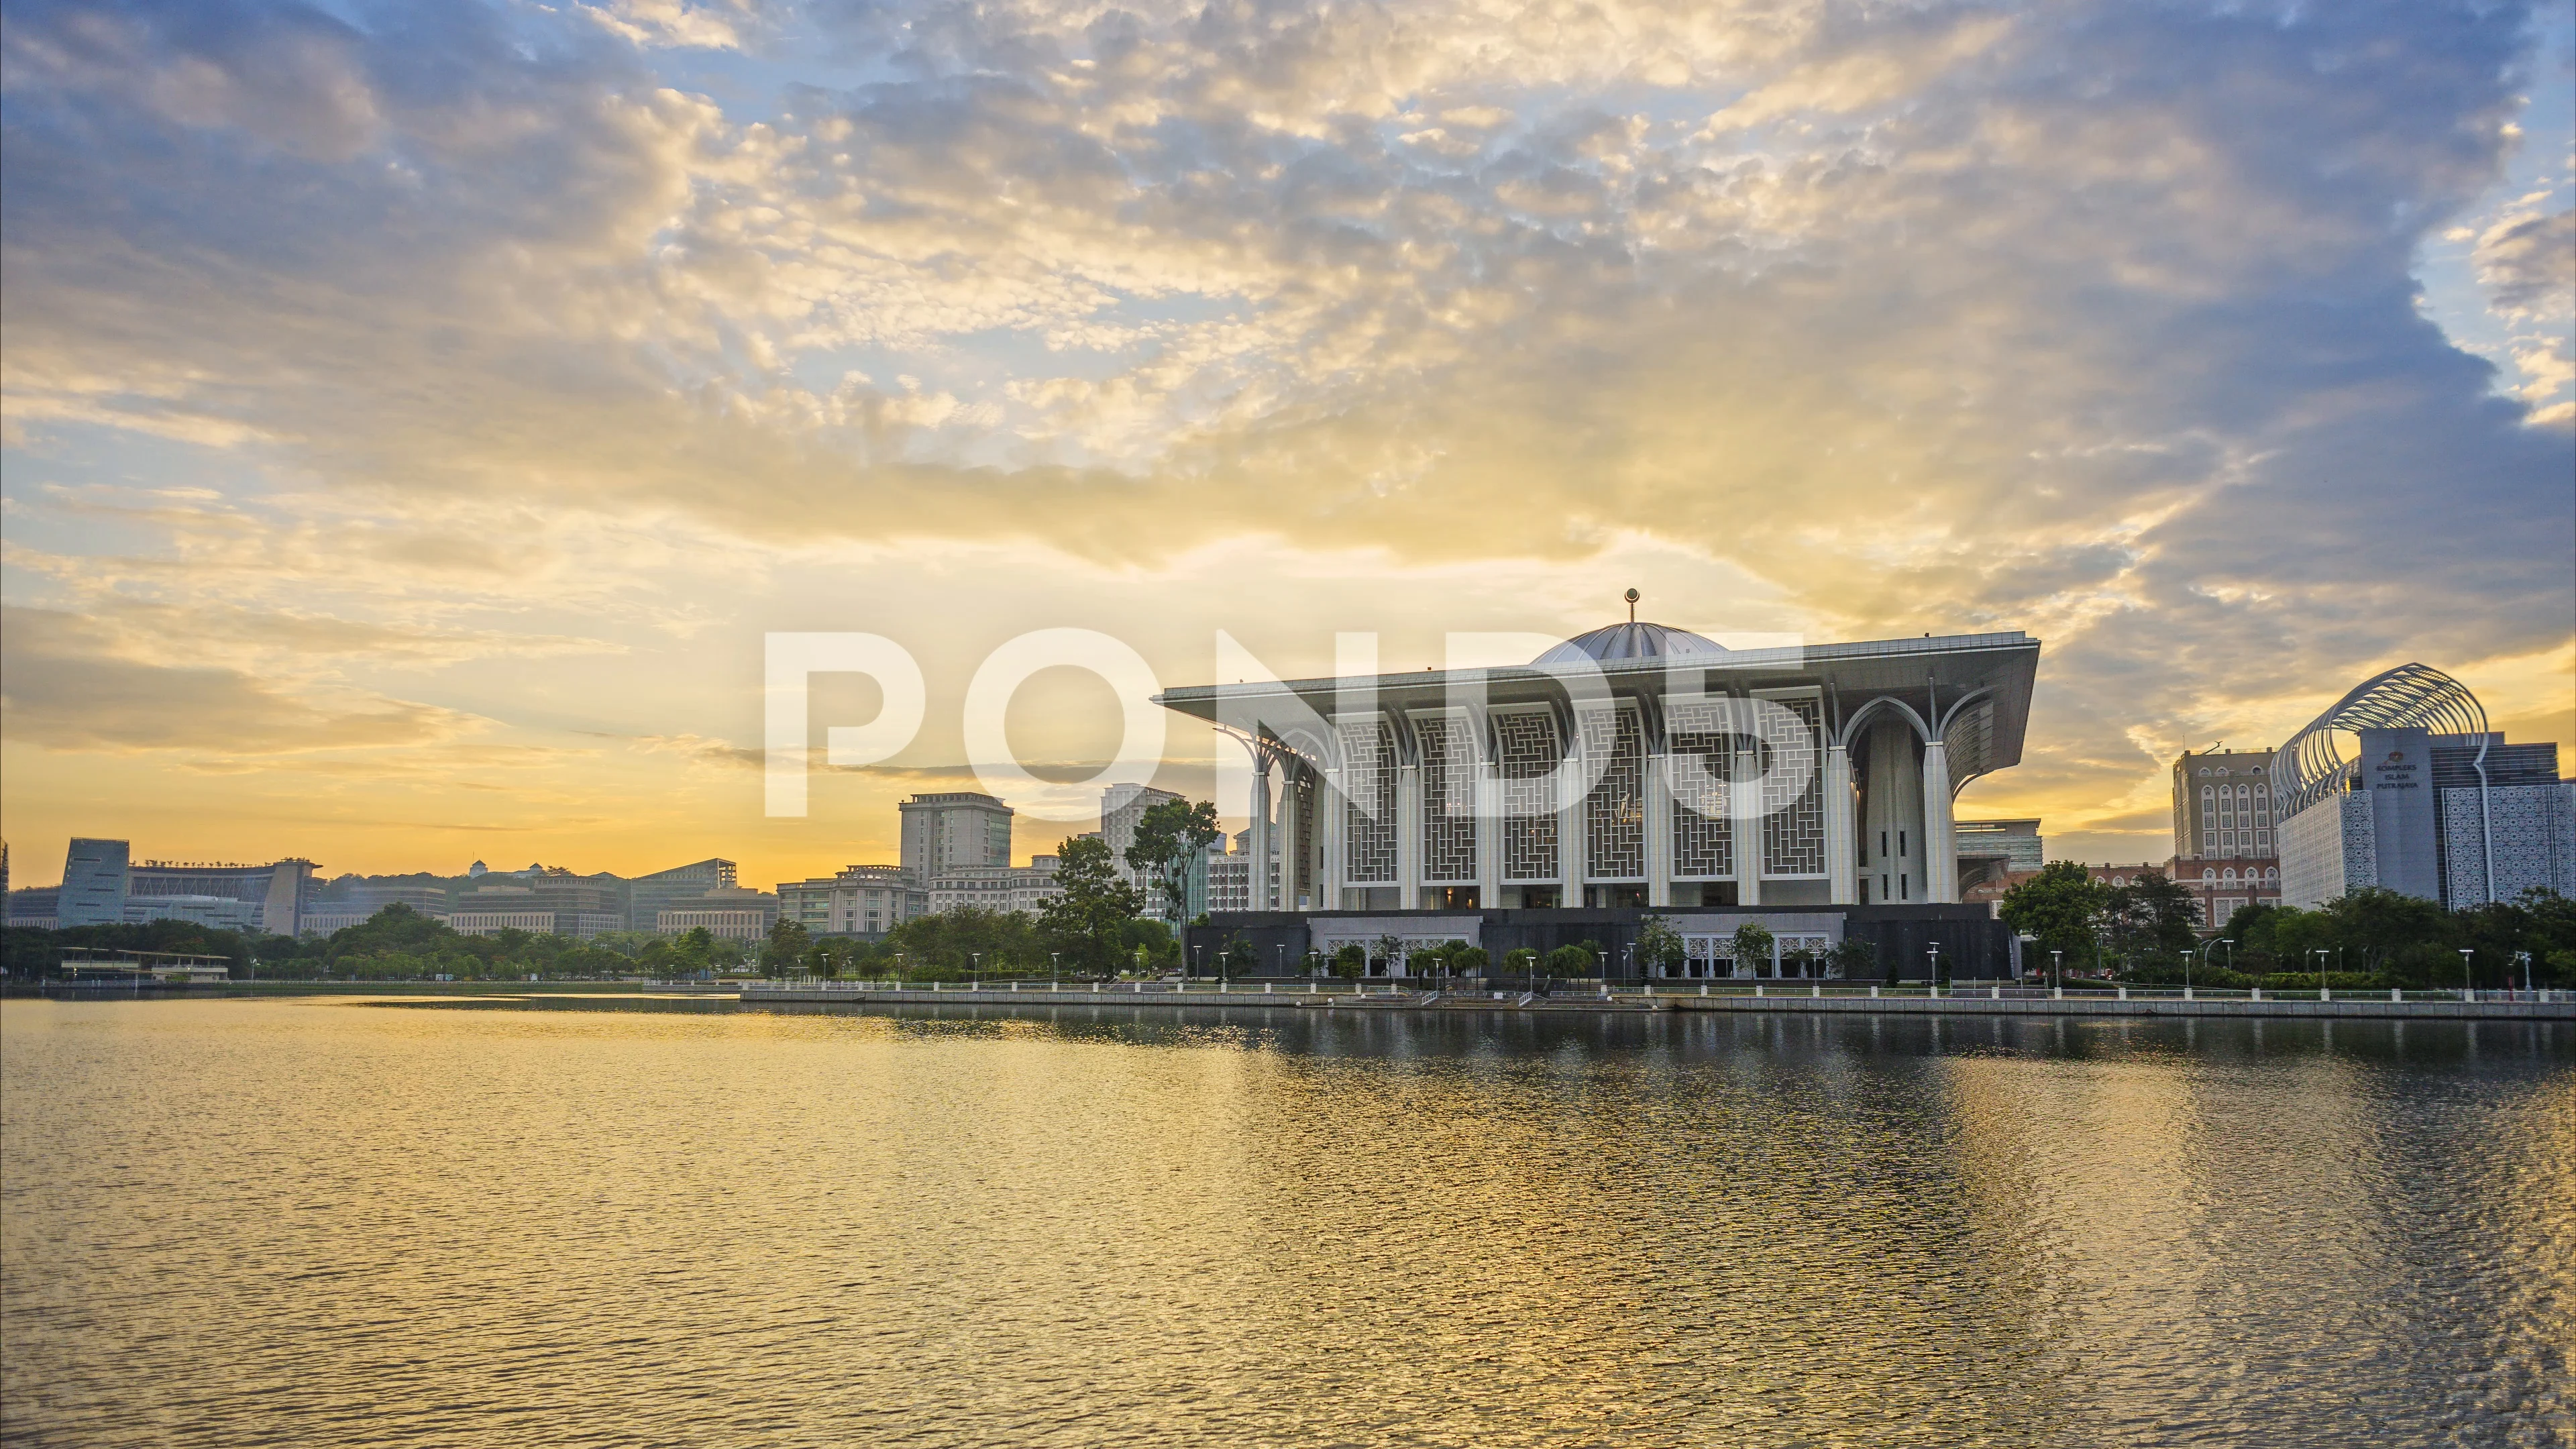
(339, 1222)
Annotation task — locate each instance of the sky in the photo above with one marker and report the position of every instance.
(413, 417)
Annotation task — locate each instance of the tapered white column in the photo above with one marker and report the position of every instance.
(1333, 823)
(1264, 898)
(1842, 830)
(1291, 862)
(1489, 838)
(1569, 844)
(1746, 801)
(1659, 832)
(1409, 836)
(1940, 832)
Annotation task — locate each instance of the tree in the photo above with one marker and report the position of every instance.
(695, 950)
(2062, 906)
(1350, 962)
(1660, 948)
(2151, 918)
(1388, 951)
(1851, 959)
(952, 944)
(1469, 960)
(1570, 961)
(1170, 837)
(1239, 958)
(1086, 922)
(1149, 944)
(784, 951)
(1752, 947)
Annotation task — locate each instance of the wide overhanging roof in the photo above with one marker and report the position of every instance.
(1911, 670)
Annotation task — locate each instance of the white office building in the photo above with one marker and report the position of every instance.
(2433, 804)
(998, 888)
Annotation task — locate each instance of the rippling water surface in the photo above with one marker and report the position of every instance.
(342, 1222)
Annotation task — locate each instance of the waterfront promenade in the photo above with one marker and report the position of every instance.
(1979, 999)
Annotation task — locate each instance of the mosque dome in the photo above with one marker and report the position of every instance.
(1625, 643)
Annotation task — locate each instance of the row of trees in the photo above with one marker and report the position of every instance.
(2140, 931)
(1660, 950)
(397, 943)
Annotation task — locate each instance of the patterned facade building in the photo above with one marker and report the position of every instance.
(1634, 767)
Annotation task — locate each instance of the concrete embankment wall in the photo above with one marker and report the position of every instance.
(1254, 1000)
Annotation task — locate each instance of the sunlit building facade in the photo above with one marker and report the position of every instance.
(1637, 768)
(1442, 793)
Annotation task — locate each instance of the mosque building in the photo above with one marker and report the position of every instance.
(1631, 770)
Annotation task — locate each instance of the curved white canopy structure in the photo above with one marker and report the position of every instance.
(2309, 767)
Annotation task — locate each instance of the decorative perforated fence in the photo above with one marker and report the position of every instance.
(1529, 749)
(1703, 836)
(1448, 800)
(1614, 813)
(1793, 827)
(1368, 778)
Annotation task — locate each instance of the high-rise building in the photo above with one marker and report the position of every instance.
(953, 830)
(1229, 873)
(2222, 806)
(103, 885)
(1122, 807)
(861, 901)
(2226, 831)
(650, 895)
(93, 891)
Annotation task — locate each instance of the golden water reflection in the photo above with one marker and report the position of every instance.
(338, 1222)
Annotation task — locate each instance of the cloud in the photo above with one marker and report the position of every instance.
(2098, 320)
(726, 25)
(66, 689)
(2528, 263)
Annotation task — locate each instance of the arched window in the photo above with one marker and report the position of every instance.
(2119, 880)
(2229, 875)
(2271, 872)
(2207, 874)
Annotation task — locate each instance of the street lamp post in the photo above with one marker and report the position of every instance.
(2466, 986)
(975, 970)
(2056, 970)
(2231, 953)
(2186, 973)
(1055, 968)
(2525, 958)
(1934, 985)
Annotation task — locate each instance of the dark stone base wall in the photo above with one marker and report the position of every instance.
(1974, 945)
